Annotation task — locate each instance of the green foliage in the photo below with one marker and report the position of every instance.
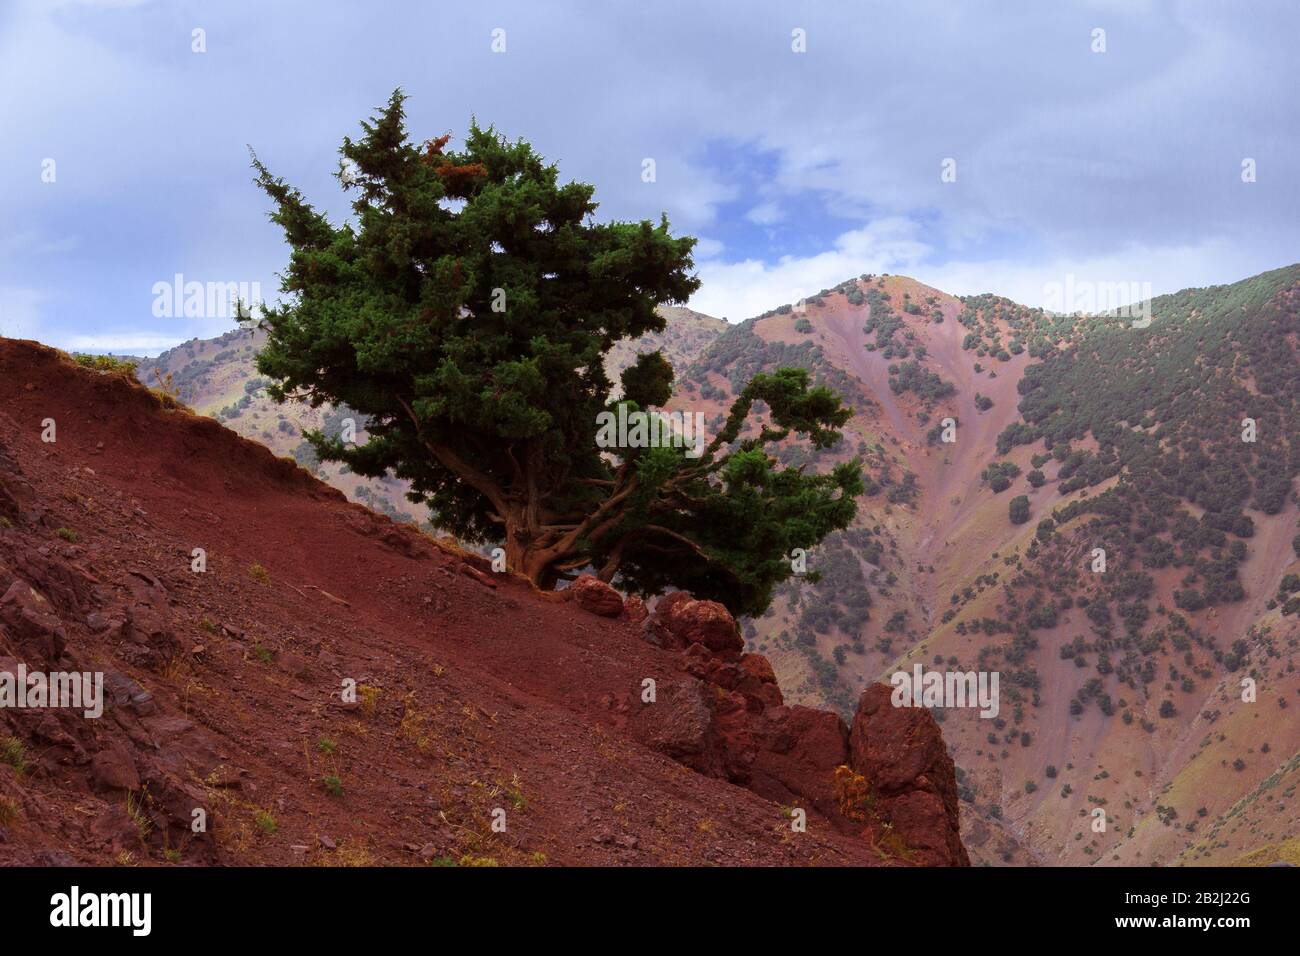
(1165, 403)
(106, 363)
(466, 312)
(648, 381)
(1164, 406)
(999, 475)
(1018, 509)
(14, 753)
(911, 377)
(840, 596)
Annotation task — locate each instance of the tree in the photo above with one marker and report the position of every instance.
(466, 310)
(1018, 509)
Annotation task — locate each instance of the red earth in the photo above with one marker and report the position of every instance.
(492, 724)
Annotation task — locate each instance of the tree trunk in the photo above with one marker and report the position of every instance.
(524, 557)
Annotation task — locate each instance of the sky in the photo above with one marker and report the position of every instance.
(998, 146)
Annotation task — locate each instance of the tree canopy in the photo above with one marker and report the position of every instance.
(466, 309)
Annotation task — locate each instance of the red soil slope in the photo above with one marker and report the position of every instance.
(479, 699)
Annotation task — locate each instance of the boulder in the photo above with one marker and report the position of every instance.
(634, 610)
(70, 589)
(150, 635)
(114, 830)
(29, 617)
(797, 752)
(113, 769)
(679, 621)
(594, 595)
(900, 754)
(679, 724)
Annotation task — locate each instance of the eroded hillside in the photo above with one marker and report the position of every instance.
(231, 603)
(1121, 689)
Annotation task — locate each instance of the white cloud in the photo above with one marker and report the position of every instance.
(1162, 269)
(706, 248)
(739, 290)
(143, 344)
(765, 214)
(19, 312)
(744, 289)
(1059, 150)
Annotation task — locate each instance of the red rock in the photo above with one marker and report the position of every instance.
(758, 667)
(151, 635)
(634, 610)
(113, 769)
(901, 754)
(680, 721)
(114, 829)
(570, 690)
(797, 751)
(70, 589)
(472, 572)
(594, 595)
(30, 618)
(680, 621)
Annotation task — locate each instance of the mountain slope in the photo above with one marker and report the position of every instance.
(477, 696)
(1121, 689)
(1132, 440)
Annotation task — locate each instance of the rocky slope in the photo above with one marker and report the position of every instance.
(490, 724)
(1120, 689)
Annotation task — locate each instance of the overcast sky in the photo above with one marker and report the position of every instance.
(796, 170)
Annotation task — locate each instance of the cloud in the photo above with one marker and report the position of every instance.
(739, 290)
(800, 170)
(706, 248)
(20, 312)
(765, 214)
(1161, 269)
(129, 344)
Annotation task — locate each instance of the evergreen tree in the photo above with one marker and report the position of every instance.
(1018, 509)
(466, 311)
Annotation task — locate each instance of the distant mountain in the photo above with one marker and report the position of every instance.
(217, 377)
(1121, 688)
(686, 336)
